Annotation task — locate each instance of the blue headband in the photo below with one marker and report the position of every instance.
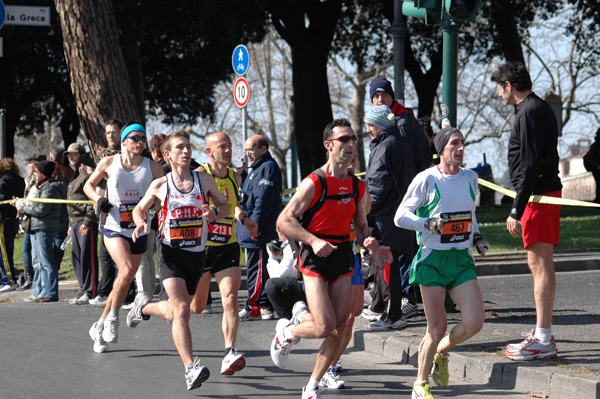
(135, 127)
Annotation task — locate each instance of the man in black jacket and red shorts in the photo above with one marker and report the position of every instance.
(533, 166)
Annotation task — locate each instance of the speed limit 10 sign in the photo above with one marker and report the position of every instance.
(241, 92)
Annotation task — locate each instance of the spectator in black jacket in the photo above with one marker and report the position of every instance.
(83, 226)
(260, 198)
(11, 185)
(533, 167)
(382, 94)
(591, 161)
(389, 173)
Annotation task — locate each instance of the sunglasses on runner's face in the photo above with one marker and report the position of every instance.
(345, 139)
(137, 138)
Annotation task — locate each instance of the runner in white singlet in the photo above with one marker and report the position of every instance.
(128, 175)
(184, 218)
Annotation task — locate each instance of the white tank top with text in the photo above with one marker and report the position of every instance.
(124, 190)
(182, 224)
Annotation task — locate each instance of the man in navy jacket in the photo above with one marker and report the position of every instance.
(389, 173)
(260, 197)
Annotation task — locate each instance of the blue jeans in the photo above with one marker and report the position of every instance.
(36, 283)
(26, 250)
(43, 255)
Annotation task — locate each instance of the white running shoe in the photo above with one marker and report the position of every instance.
(135, 316)
(331, 380)
(267, 314)
(196, 375)
(338, 366)
(110, 333)
(369, 315)
(517, 347)
(311, 393)
(534, 349)
(100, 345)
(82, 300)
(8, 287)
(232, 363)
(280, 347)
(299, 308)
(207, 309)
(99, 299)
(408, 309)
(380, 324)
(247, 316)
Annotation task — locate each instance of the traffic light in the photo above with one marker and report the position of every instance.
(461, 10)
(429, 10)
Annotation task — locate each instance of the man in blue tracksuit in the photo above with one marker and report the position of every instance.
(260, 197)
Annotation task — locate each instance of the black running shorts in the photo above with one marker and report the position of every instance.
(339, 263)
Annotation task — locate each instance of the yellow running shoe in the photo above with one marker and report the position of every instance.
(439, 370)
(422, 391)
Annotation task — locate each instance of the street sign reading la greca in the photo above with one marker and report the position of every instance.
(240, 60)
(27, 15)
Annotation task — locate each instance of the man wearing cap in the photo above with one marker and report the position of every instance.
(440, 206)
(83, 226)
(389, 172)
(44, 229)
(128, 176)
(382, 94)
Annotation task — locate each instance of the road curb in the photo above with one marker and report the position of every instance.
(485, 368)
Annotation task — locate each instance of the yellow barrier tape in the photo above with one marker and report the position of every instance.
(539, 198)
(53, 201)
(534, 198)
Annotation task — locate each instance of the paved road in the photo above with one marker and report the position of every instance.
(47, 353)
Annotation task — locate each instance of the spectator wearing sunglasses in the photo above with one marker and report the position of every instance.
(128, 176)
(389, 173)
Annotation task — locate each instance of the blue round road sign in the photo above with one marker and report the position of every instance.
(2, 14)
(240, 60)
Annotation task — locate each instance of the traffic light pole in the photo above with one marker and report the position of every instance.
(399, 32)
(450, 68)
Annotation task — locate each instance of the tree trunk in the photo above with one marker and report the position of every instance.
(357, 117)
(426, 84)
(506, 27)
(308, 27)
(99, 78)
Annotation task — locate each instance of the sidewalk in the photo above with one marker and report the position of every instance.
(575, 373)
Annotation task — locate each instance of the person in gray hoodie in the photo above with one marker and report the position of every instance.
(44, 229)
